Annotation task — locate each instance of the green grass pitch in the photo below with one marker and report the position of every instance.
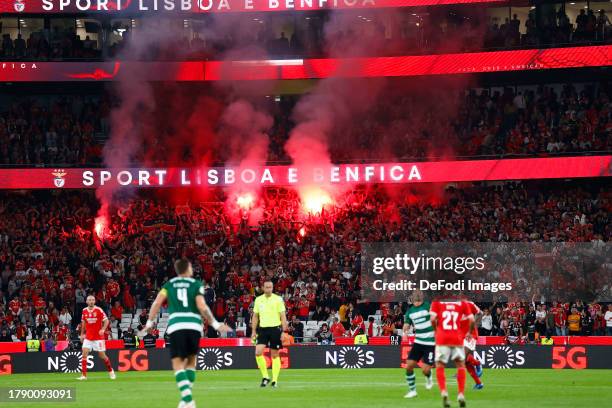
(333, 388)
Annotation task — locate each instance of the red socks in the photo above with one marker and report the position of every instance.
(84, 367)
(461, 379)
(107, 363)
(472, 360)
(470, 368)
(442, 378)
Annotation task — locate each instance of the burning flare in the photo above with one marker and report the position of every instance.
(314, 199)
(100, 226)
(245, 201)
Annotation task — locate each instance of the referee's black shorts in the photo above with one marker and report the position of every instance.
(422, 352)
(184, 343)
(270, 336)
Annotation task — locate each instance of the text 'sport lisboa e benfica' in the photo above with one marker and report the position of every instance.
(199, 5)
(350, 174)
(212, 6)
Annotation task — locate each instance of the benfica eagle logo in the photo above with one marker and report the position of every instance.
(19, 5)
(59, 180)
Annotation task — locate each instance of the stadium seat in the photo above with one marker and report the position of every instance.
(311, 324)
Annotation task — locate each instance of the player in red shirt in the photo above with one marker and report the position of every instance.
(446, 317)
(472, 365)
(93, 325)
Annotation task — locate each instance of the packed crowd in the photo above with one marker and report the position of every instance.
(544, 121)
(431, 123)
(58, 45)
(50, 259)
(435, 31)
(540, 121)
(36, 131)
(525, 322)
(552, 29)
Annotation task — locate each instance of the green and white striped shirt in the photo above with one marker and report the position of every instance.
(181, 294)
(418, 316)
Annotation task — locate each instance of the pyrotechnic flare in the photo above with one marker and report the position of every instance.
(314, 200)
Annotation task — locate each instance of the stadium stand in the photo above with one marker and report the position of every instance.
(50, 259)
(458, 30)
(542, 120)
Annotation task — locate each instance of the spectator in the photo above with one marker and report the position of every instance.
(560, 321)
(65, 317)
(321, 314)
(486, 323)
(504, 325)
(5, 336)
(149, 340)
(371, 327)
(515, 333)
(343, 314)
(337, 329)
(130, 340)
(573, 323)
(586, 323)
(80, 296)
(282, 45)
(530, 323)
(550, 322)
(603, 25)
(599, 324)
(61, 332)
(75, 341)
(355, 330)
(144, 316)
(591, 24)
(113, 327)
(296, 329)
(303, 308)
(117, 311)
(608, 318)
(324, 335)
(388, 328)
(49, 343)
(540, 320)
(7, 45)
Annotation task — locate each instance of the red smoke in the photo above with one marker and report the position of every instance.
(243, 127)
(341, 119)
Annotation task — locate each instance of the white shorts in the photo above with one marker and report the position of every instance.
(470, 344)
(94, 345)
(445, 353)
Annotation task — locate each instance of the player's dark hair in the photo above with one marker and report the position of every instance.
(181, 266)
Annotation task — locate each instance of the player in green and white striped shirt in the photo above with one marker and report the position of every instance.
(423, 348)
(186, 306)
